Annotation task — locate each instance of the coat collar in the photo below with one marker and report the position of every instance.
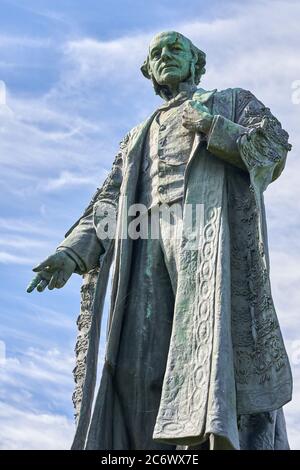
(188, 91)
(139, 132)
(202, 95)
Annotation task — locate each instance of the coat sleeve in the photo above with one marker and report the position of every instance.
(254, 139)
(81, 242)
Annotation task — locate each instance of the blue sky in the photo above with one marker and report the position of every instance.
(73, 89)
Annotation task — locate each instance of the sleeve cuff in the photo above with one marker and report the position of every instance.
(80, 265)
(222, 140)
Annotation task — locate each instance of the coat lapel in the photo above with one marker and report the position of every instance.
(186, 388)
(123, 250)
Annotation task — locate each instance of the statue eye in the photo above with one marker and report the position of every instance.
(155, 54)
(176, 48)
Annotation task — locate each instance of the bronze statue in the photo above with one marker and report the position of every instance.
(194, 355)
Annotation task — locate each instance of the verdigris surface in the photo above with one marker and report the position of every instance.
(194, 355)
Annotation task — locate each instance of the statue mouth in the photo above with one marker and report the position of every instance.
(168, 67)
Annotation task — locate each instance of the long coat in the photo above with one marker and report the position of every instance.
(226, 355)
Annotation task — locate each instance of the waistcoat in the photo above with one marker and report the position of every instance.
(166, 152)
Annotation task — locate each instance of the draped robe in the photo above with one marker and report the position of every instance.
(226, 356)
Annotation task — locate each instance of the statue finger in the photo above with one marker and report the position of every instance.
(42, 285)
(53, 280)
(33, 283)
(44, 264)
(60, 282)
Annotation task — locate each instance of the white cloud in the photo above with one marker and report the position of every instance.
(35, 386)
(23, 41)
(52, 366)
(23, 226)
(21, 243)
(8, 258)
(48, 316)
(292, 409)
(95, 60)
(41, 367)
(44, 376)
(51, 141)
(25, 430)
(286, 277)
(24, 243)
(67, 179)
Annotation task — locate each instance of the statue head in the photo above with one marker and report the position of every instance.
(173, 59)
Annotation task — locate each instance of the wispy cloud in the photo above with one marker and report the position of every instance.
(95, 60)
(38, 373)
(25, 242)
(9, 258)
(24, 42)
(17, 225)
(21, 242)
(67, 179)
(25, 430)
(40, 367)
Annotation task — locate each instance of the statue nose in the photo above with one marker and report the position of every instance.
(165, 53)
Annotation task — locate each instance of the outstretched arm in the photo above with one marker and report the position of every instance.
(81, 249)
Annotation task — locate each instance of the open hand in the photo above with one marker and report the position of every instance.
(52, 272)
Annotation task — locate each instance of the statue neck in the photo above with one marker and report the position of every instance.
(169, 93)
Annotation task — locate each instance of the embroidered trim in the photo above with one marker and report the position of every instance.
(257, 342)
(84, 322)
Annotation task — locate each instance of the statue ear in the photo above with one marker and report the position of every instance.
(145, 69)
(200, 65)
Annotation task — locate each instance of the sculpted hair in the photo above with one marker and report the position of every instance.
(197, 66)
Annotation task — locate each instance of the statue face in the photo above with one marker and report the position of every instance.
(170, 58)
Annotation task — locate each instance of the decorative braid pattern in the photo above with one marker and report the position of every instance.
(84, 322)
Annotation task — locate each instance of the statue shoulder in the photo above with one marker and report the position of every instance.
(246, 99)
(245, 103)
(255, 113)
(240, 96)
(131, 135)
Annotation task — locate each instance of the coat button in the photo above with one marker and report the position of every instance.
(161, 189)
(162, 127)
(160, 174)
